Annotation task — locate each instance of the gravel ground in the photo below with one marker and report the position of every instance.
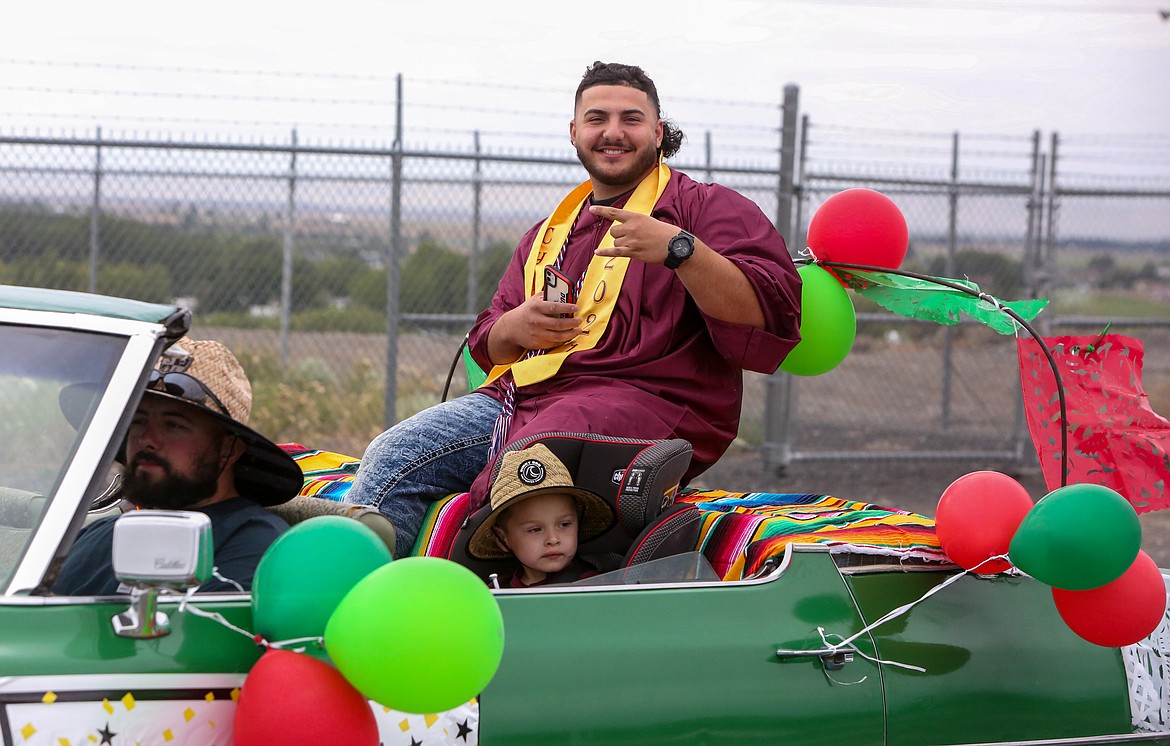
(906, 485)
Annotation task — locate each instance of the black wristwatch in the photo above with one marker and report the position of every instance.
(679, 250)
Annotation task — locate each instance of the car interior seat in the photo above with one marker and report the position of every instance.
(638, 478)
(19, 512)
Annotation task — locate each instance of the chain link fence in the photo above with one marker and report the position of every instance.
(346, 276)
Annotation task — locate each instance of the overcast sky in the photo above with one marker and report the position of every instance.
(992, 66)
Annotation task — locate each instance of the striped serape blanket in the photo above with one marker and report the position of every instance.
(328, 475)
(440, 525)
(740, 530)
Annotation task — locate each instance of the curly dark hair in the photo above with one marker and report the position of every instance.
(615, 73)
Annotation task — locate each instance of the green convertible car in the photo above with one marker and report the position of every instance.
(701, 629)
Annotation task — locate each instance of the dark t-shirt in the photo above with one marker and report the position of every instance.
(241, 531)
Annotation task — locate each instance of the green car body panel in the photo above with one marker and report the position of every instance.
(1000, 663)
(679, 665)
(78, 639)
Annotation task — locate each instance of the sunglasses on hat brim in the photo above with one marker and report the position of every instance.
(185, 387)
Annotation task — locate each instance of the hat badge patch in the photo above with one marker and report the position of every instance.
(531, 472)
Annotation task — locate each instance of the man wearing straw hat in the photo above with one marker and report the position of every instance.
(189, 447)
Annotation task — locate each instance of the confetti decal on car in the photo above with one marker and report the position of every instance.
(78, 711)
(65, 717)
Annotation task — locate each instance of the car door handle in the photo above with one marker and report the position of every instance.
(832, 661)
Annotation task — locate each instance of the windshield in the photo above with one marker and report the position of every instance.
(51, 381)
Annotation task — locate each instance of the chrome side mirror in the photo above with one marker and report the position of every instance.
(153, 550)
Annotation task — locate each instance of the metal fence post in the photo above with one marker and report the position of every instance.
(707, 155)
(778, 393)
(476, 217)
(1034, 231)
(1053, 203)
(390, 404)
(286, 268)
(952, 249)
(95, 212)
(1033, 276)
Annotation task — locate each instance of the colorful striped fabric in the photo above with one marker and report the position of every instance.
(328, 475)
(740, 530)
(440, 525)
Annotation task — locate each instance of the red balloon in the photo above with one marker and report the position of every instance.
(292, 699)
(1120, 613)
(976, 518)
(859, 226)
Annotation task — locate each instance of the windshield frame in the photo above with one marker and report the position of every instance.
(96, 447)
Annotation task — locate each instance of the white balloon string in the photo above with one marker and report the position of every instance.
(186, 605)
(847, 642)
(217, 576)
(297, 644)
(855, 649)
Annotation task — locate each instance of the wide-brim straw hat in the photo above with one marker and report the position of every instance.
(264, 473)
(527, 473)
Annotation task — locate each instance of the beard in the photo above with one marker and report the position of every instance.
(170, 491)
(643, 161)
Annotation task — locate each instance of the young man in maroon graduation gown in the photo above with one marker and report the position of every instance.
(680, 286)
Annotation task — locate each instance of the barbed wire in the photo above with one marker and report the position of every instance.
(830, 141)
(198, 96)
(78, 64)
(383, 80)
(915, 134)
(1143, 142)
(155, 119)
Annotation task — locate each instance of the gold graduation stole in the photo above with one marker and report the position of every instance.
(603, 279)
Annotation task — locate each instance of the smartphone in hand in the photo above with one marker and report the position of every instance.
(557, 288)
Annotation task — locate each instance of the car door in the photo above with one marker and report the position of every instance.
(683, 663)
(998, 663)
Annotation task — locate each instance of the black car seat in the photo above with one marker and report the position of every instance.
(675, 531)
(638, 478)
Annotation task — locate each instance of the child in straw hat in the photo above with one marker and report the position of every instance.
(538, 516)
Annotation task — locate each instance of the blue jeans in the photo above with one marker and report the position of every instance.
(422, 459)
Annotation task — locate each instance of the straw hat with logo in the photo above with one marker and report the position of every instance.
(527, 473)
(265, 473)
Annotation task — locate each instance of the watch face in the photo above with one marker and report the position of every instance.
(679, 250)
(680, 246)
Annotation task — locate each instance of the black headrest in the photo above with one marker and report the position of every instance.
(638, 478)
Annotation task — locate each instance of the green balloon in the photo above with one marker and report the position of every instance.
(1077, 538)
(305, 573)
(420, 635)
(828, 324)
